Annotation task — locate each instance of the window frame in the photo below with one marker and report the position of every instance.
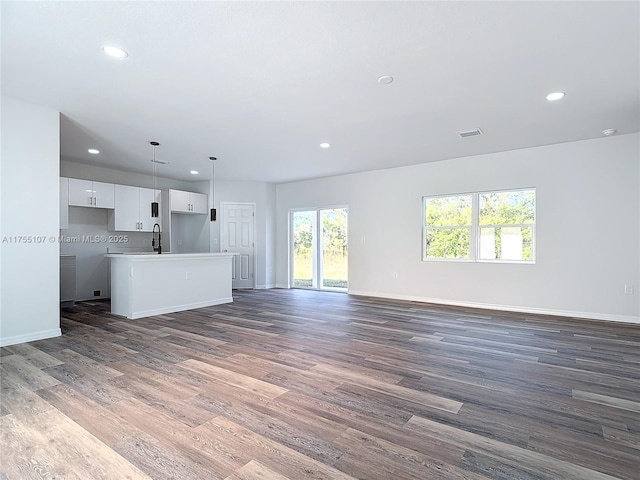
(475, 228)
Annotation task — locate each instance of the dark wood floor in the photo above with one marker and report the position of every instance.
(302, 384)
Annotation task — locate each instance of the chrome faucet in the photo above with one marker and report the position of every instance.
(153, 239)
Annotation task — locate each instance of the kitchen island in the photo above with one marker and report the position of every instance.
(146, 284)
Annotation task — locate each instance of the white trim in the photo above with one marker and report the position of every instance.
(283, 285)
(265, 287)
(507, 308)
(30, 337)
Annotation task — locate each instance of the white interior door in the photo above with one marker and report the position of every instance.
(237, 236)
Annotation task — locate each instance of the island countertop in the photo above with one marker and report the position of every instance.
(147, 283)
(163, 256)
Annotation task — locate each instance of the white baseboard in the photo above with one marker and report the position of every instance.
(282, 285)
(30, 337)
(177, 308)
(507, 308)
(265, 287)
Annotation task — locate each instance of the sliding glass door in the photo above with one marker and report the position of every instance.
(304, 244)
(319, 248)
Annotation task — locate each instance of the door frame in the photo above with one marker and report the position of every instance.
(317, 247)
(253, 240)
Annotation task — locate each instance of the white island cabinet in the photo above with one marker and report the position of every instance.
(148, 284)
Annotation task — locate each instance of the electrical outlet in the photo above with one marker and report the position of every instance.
(145, 241)
(96, 293)
(628, 289)
(363, 240)
(188, 275)
(395, 275)
(179, 242)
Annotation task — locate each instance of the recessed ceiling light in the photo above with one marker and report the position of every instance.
(93, 151)
(193, 172)
(385, 79)
(609, 131)
(325, 145)
(552, 97)
(114, 51)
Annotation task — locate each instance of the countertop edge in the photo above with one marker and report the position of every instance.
(167, 256)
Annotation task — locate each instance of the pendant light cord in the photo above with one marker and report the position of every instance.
(154, 170)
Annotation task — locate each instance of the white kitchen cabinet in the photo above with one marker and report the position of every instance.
(179, 201)
(64, 203)
(67, 279)
(132, 212)
(187, 202)
(86, 193)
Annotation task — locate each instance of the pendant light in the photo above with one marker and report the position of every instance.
(155, 210)
(213, 188)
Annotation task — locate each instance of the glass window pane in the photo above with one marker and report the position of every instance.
(448, 211)
(447, 243)
(488, 244)
(303, 228)
(335, 265)
(506, 243)
(507, 208)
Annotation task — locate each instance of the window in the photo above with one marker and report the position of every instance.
(485, 227)
(449, 225)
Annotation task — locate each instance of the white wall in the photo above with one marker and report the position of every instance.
(189, 233)
(30, 276)
(588, 224)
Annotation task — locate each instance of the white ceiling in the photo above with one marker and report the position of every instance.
(261, 84)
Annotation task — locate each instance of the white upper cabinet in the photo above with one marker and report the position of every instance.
(199, 203)
(187, 202)
(86, 193)
(179, 201)
(133, 209)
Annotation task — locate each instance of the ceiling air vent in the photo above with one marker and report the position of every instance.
(470, 133)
